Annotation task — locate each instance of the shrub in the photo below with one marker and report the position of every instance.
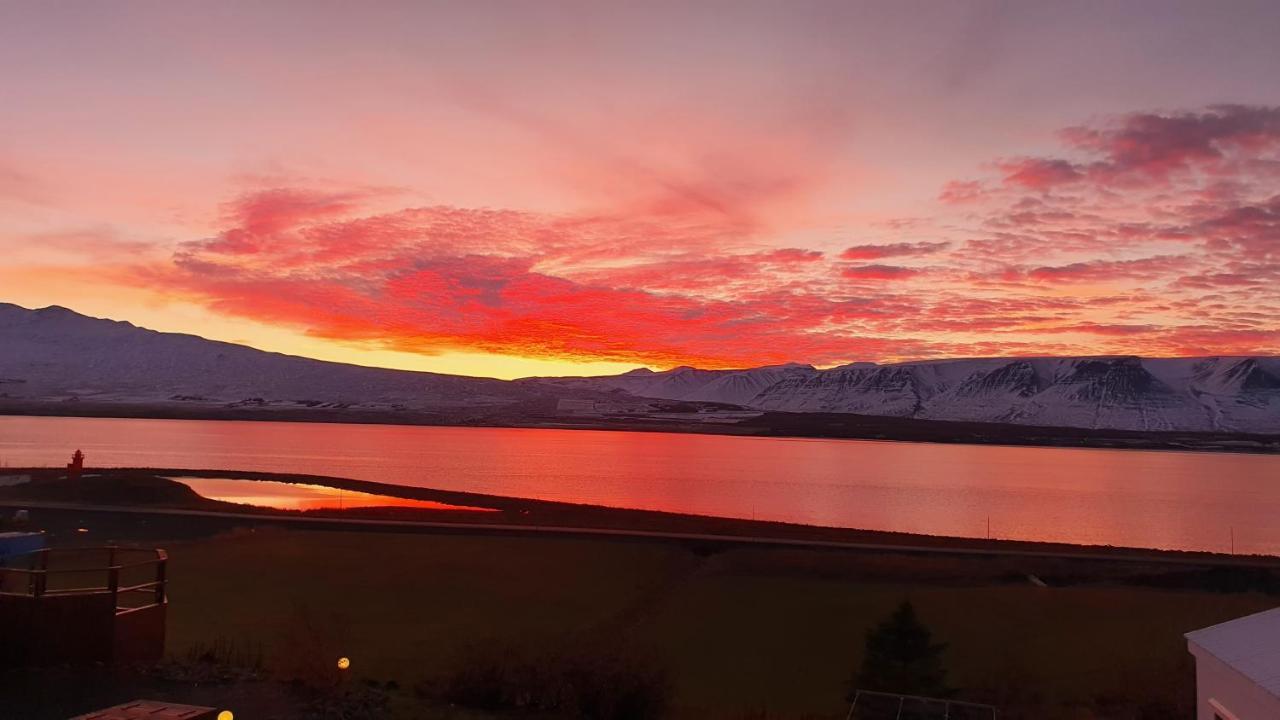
(224, 660)
(353, 703)
(591, 680)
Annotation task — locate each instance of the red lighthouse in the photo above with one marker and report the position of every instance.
(76, 465)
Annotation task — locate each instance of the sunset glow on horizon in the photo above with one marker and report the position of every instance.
(573, 188)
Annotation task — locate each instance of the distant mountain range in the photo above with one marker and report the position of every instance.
(55, 355)
(1222, 394)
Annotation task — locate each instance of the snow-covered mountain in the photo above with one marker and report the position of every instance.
(735, 387)
(1234, 394)
(54, 355)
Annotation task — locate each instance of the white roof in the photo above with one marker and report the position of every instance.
(1250, 645)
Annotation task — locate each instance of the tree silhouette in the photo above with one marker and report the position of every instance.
(901, 657)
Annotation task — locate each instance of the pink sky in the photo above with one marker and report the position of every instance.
(516, 188)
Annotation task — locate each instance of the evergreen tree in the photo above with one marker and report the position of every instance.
(901, 657)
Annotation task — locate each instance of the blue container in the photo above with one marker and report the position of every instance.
(15, 544)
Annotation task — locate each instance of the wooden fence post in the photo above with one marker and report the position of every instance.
(42, 580)
(113, 585)
(160, 580)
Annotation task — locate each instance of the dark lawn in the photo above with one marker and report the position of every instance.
(745, 633)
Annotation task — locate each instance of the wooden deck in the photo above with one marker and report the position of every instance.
(151, 710)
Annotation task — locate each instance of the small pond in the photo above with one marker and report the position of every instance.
(296, 496)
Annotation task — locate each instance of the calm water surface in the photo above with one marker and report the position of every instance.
(1190, 501)
(301, 496)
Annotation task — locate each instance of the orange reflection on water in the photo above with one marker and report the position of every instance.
(1168, 500)
(291, 496)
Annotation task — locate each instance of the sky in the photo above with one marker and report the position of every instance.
(509, 189)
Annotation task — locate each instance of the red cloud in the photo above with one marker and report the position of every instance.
(1208, 340)
(1254, 229)
(1154, 146)
(902, 249)
(879, 272)
(1108, 270)
(1039, 173)
(1112, 329)
(1146, 150)
(789, 256)
(431, 279)
(1177, 210)
(261, 217)
(957, 192)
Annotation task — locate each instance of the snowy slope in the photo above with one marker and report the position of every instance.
(735, 387)
(1228, 394)
(1236, 394)
(740, 387)
(57, 354)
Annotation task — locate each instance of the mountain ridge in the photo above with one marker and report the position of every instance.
(1128, 392)
(55, 354)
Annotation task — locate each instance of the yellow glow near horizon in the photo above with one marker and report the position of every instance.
(290, 342)
(84, 294)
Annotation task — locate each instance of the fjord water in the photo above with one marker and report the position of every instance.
(1169, 500)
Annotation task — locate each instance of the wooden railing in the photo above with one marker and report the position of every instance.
(872, 705)
(118, 561)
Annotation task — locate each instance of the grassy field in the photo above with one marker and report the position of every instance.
(744, 633)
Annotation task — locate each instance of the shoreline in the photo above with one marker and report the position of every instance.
(524, 515)
(818, 426)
